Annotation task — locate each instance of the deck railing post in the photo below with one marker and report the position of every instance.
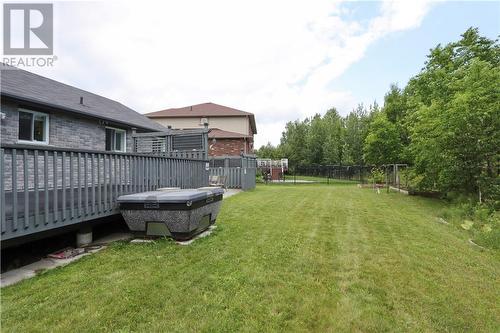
(110, 171)
(99, 188)
(14, 189)
(2, 192)
(115, 180)
(63, 169)
(26, 188)
(86, 182)
(120, 174)
(104, 183)
(71, 188)
(79, 183)
(35, 186)
(46, 186)
(92, 170)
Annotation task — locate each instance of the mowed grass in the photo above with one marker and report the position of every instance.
(283, 258)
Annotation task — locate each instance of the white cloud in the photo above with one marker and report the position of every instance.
(273, 58)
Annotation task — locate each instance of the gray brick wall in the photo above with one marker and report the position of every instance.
(9, 128)
(78, 133)
(65, 130)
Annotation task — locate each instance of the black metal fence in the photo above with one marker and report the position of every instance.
(359, 173)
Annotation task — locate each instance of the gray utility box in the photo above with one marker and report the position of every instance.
(180, 214)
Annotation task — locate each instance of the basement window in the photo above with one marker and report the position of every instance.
(116, 139)
(33, 127)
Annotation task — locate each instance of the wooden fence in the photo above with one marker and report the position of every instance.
(190, 143)
(43, 188)
(239, 171)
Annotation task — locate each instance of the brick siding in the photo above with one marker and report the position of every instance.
(230, 147)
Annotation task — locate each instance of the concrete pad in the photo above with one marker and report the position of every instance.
(398, 190)
(201, 235)
(28, 271)
(45, 263)
(291, 181)
(230, 192)
(16, 275)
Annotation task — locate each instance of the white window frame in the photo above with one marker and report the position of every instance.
(45, 130)
(124, 144)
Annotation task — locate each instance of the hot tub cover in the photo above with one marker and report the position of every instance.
(174, 196)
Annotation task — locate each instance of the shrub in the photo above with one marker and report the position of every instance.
(377, 176)
(481, 221)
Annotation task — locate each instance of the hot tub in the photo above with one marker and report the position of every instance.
(180, 214)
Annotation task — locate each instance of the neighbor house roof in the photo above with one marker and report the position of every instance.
(32, 88)
(204, 110)
(215, 133)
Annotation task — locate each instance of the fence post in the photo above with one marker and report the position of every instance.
(387, 179)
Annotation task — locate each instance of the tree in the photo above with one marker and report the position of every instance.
(315, 140)
(382, 144)
(334, 137)
(327, 139)
(445, 122)
(457, 140)
(269, 151)
(455, 133)
(293, 142)
(397, 110)
(356, 130)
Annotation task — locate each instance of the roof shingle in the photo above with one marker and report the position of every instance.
(26, 86)
(221, 134)
(204, 110)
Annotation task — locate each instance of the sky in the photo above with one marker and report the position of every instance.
(281, 60)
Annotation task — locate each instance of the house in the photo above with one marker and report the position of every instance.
(68, 154)
(231, 131)
(40, 111)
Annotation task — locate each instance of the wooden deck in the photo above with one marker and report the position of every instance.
(43, 188)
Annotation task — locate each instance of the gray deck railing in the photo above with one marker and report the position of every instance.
(238, 171)
(43, 188)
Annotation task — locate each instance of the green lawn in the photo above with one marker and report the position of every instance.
(283, 258)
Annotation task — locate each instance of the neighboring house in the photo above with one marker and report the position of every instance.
(231, 131)
(40, 111)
